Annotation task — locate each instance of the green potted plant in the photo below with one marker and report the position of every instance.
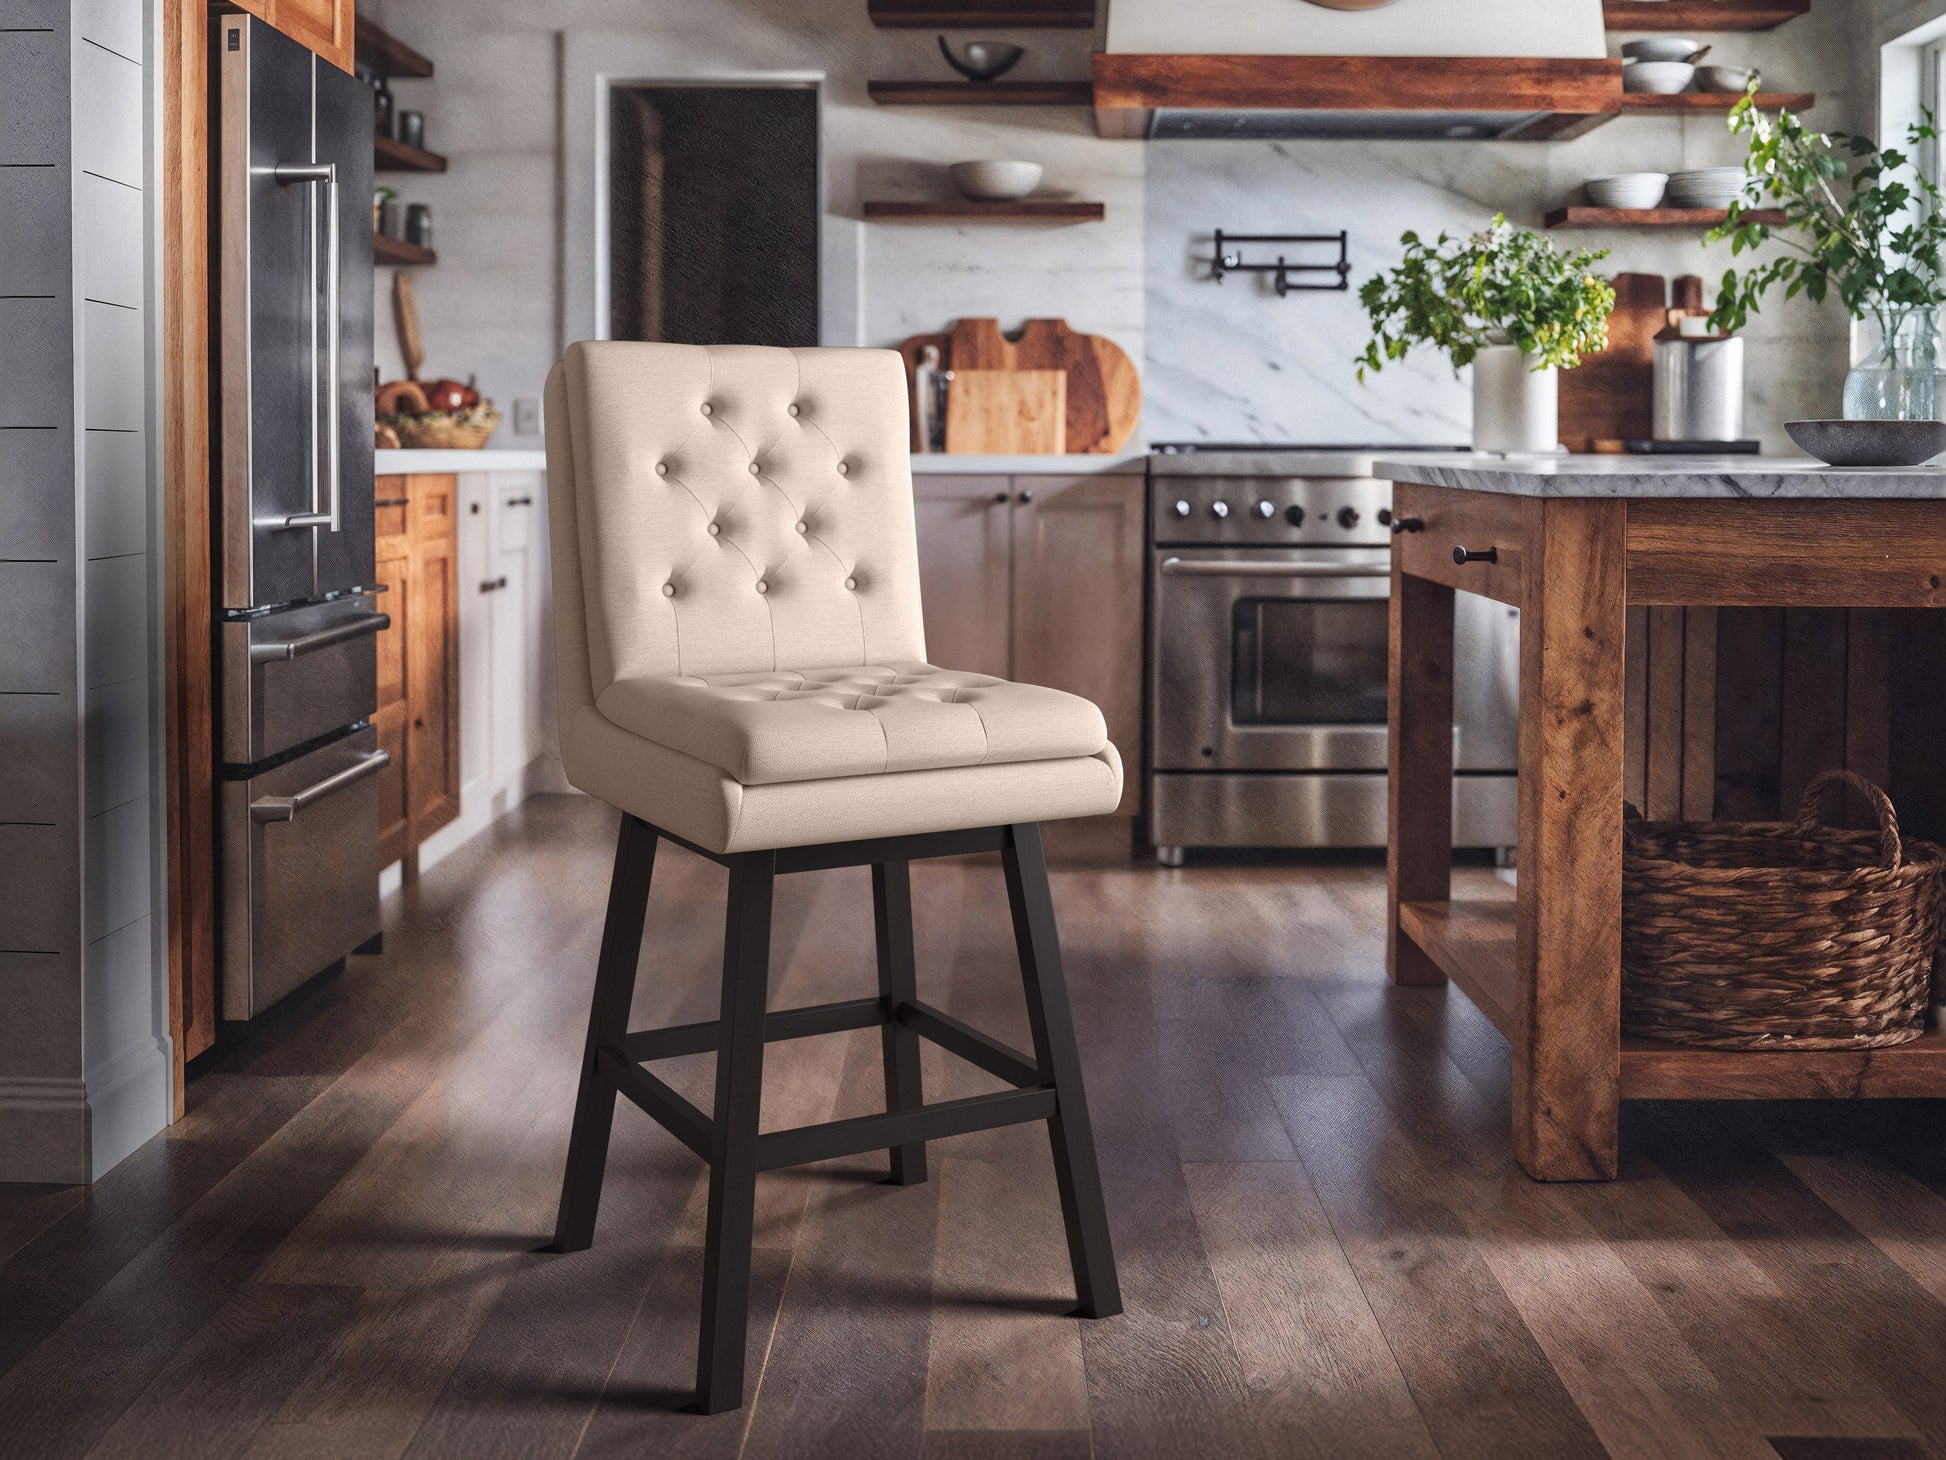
(1860, 223)
(1505, 301)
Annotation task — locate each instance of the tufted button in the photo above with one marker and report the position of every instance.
(668, 590)
(755, 470)
(851, 583)
(762, 587)
(662, 468)
(714, 529)
(792, 409)
(803, 527)
(707, 408)
(844, 468)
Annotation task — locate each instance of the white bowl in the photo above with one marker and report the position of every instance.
(1660, 78)
(1660, 48)
(1705, 187)
(1722, 79)
(1626, 190)
(995, 182)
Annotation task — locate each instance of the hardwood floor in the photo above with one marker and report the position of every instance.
(1325, 1248)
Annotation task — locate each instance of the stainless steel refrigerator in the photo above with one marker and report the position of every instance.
(297, 612)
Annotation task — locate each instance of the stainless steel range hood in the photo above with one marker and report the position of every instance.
(1416, 69)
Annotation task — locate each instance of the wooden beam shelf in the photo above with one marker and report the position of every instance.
(983, 14)
(1714, 101)
(397, 253)
(1577, 216)
(387, 54)
(392, 155)
(1472, 942)
(954, 210)
(981, 93)
(1711, 15)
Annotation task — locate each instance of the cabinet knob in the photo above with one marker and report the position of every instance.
(1464, 556)
(1026, 497)
(1000, 499)
(1407, 524)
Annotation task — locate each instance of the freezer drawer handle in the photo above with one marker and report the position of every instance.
(327, 174)
(1176, 566)
(285, 808)
(372, 623)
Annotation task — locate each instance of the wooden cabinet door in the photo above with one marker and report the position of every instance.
(394, 560)
(432, 655)
(1078, 546)
(325, 26)
(965, 570)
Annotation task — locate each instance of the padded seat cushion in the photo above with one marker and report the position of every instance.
(857, 720)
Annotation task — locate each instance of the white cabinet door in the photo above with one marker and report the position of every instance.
(515, 640)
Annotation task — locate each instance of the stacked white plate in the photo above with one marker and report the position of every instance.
(1626, 190)
(1705, 187)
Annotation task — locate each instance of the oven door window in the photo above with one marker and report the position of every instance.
(1301, 661)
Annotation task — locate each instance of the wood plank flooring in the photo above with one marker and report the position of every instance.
(1325, 1249)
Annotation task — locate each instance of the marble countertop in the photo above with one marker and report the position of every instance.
(391, 462)
(1662, 476)
(941, 463)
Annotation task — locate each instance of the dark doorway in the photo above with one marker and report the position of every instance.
(713, 209)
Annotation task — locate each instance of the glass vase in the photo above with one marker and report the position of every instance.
(1895, 374)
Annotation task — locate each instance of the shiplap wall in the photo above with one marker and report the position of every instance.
(84, 1066)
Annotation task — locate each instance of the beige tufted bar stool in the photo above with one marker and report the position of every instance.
(742, 671)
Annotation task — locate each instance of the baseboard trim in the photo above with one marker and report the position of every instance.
(129, 1098)
(44, 1130)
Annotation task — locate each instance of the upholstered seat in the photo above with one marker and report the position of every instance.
(749, 671)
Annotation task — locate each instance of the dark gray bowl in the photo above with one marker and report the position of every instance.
(1869, 443)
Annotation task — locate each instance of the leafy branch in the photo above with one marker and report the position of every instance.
(1852, 226)
(1502, 285)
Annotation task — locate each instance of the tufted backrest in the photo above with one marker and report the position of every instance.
(724, 509)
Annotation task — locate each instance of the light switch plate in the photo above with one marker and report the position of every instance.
(527, 416)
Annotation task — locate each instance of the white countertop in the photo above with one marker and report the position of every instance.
(942, 463)
(1662, 476)
(390, 463)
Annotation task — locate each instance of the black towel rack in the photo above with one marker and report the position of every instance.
(1287, 276)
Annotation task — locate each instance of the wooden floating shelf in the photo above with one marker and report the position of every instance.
(1716, 15)
(953, 210)
(398, 253)
(392, 155)
(387, 54)
(983, 14)
(1714, 101)
(1472, 941)
(1582, 217)
(982, 93)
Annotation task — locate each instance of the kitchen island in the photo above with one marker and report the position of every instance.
(1573, 542)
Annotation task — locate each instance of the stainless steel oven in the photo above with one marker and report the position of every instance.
(1269, 599)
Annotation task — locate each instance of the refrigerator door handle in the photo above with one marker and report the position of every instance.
(325, 173)
(286, 808)
(285, 649)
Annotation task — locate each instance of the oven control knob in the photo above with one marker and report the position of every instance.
(1294, 516)
(1348, 517)
(1182, 508)
(1219, 509)
(1266, 510)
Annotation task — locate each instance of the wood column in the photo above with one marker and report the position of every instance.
(1419, 753)
(1567, 1049)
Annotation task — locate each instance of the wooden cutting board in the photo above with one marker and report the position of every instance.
(1610, 397)
(1104, 392)
(1007, 412)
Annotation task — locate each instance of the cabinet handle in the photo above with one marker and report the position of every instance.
(391, 502)
(1407, 524)
(1463, 556)
(493, 585)
(1026, 497)
(520, 501)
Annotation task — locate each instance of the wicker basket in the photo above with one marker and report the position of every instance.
(1757, 935)
(445, 432)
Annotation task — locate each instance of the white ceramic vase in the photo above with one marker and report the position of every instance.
(1515, 409)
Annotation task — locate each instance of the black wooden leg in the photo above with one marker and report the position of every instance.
(733, 1134)
(1089, 1246)
(897, 984)
(594, 1108)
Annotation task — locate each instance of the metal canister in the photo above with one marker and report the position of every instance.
(1699, 388)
